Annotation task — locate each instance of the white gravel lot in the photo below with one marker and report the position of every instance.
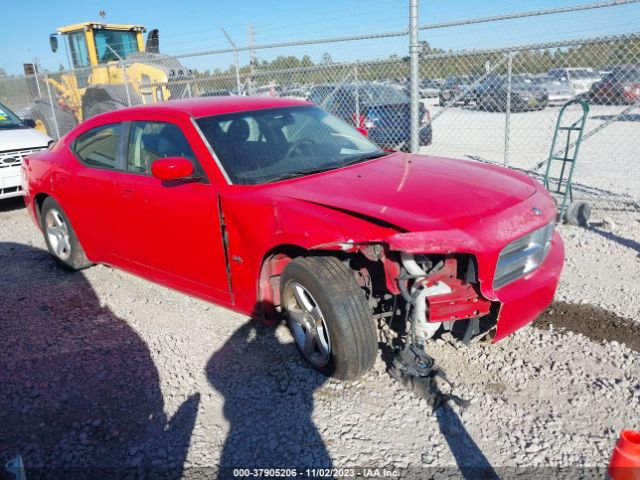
(609, 160)
(101, 369)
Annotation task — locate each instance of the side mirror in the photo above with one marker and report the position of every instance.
(363, 131)
(53, 41)
(172, 168)
(153, 41)
(29, 122)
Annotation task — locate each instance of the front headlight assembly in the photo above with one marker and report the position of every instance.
(523, 255)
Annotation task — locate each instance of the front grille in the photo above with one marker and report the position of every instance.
(522, 256)
(11, 158)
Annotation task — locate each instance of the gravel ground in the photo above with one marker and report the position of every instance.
(101, 369)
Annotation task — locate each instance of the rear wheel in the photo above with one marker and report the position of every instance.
(329, 316)
(60, 237)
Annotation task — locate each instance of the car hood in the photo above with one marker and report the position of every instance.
(413, 192)
(22, 139)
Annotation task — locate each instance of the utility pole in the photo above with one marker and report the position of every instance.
(414, 56)
(235, 61)
(252, 54)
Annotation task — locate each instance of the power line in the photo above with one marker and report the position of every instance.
(535, 13)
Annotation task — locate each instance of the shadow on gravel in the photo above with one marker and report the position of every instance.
(439, 392)
(80, 394)
(625, 242)
(622, 118)
(268, 401)
(596, 323)
(470, 459)
(9, 204)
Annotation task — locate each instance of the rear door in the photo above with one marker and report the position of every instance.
(85, 191)
(169, 231)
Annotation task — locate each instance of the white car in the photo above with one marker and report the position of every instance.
(580, 79)
(18, 139)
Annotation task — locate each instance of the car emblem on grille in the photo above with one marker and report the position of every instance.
(536, 211)
(8, 160)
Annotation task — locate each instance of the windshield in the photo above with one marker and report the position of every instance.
(522, 82)
(8, 119)
(263, 146)
(588, 74)
(381, 95)
(122, 42)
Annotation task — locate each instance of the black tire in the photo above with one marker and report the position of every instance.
(344, 308)
(578, 213)
(100, 107)
(41, 113)
(75, 258)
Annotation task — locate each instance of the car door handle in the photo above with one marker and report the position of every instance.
(126, 192)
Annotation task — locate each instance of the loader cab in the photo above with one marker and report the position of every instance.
(90, 44)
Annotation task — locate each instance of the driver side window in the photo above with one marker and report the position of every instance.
(149, 141)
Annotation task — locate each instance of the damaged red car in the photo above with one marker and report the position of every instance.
(275, 208)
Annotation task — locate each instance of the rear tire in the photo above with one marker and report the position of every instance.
(335, 303)
(60, 237)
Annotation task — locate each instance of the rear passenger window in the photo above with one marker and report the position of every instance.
(150, 141)
(99, 147)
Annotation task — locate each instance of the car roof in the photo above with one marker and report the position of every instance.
(207, 106)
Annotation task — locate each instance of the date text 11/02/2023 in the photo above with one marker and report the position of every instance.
(368, 472)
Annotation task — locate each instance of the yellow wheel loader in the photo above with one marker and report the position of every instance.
(112, 68)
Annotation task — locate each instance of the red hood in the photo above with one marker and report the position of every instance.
(414, 192)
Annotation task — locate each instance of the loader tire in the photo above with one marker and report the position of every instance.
(101, 107)
(41, 113)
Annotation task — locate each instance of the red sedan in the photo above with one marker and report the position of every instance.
(275, 208)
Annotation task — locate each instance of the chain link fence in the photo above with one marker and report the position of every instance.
(498, 105)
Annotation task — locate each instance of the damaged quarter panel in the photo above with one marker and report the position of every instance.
(259, 222)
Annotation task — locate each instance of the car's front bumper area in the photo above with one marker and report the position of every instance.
(524, 299)
(10, 182)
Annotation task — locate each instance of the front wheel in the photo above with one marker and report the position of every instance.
(60, 237)
(329, 316)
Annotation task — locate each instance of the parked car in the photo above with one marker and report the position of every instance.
(458, 90)
(18, 138)
(580, 79)
(275, 208)
(620, 86)
(558, 91)
(526, 94)
(429, 88)
(300, 93)
(382, 110)
(271, 90)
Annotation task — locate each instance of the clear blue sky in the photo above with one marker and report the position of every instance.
(194, 25)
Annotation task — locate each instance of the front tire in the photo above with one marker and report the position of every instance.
(60, 237)
(329, 316)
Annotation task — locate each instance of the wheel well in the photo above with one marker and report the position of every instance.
(38, 202)
(274, 262)
(272, 266)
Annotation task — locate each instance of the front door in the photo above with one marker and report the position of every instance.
(168, 231)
